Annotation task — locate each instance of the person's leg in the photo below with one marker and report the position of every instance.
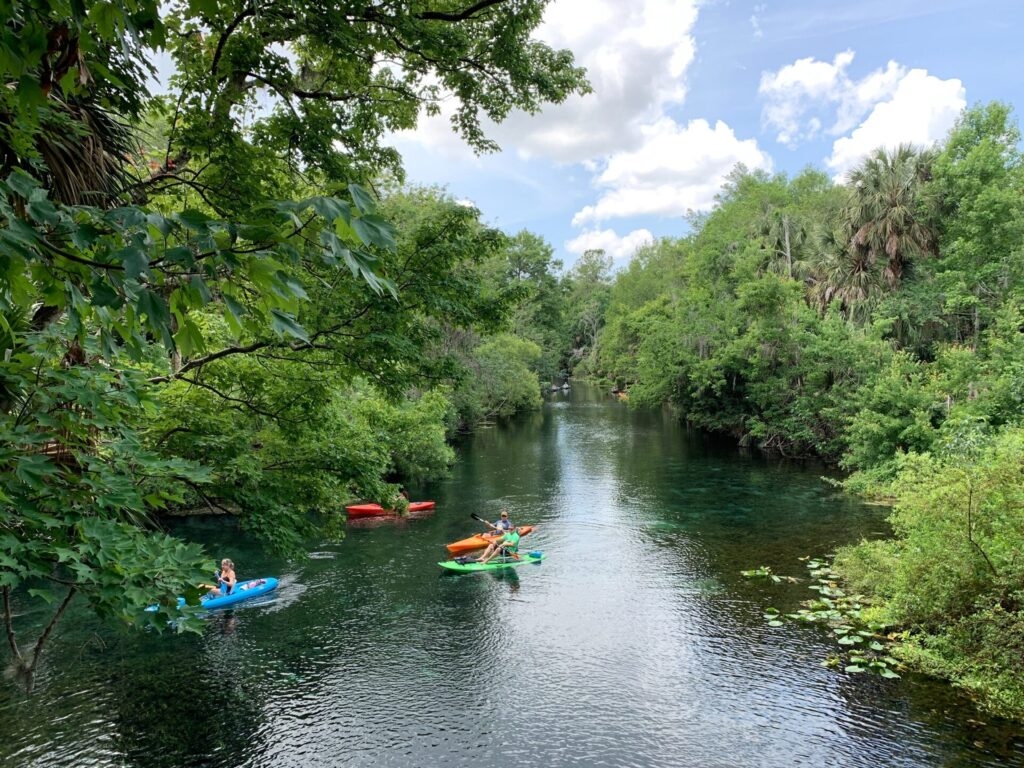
(492, 550)
(499, 551)
(487, 552)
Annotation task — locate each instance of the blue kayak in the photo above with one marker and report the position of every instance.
(244, 590)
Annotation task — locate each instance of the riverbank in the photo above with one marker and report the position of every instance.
(635, 642)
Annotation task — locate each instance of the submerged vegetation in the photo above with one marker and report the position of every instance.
(877, 323)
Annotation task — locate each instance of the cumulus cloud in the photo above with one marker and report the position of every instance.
(642, 162)
(609, 241)
(795, 89)
(921, 111)
(636, 56)
(886, 107)
(676, 169)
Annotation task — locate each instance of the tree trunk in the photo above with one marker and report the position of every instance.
(9, 625)
(789, 253)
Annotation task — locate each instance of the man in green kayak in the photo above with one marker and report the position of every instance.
(507, 545)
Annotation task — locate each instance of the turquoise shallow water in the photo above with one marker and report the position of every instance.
(635, 643)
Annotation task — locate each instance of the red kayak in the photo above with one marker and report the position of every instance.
(375, 510)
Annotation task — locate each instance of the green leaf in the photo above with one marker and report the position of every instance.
(364, 200)
(189, 339)
(159, 317)
(102, 294)
(43, 594)
(285, 324)
(22, 183)
(199, 286)
(374, 230)
(195, 220)
(854, 669)
(32, 470)
(135, 260)
(331, 208)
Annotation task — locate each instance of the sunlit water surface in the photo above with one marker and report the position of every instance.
(635, 643)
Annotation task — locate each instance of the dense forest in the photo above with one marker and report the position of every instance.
(228, 299)
(877, 323)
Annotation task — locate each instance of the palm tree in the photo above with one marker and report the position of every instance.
(842, 273)
(783, 235)
(884, 214)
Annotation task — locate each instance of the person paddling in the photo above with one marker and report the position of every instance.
(502, 524)
(508, 544)
(226, 579)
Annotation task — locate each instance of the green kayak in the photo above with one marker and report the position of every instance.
(526, 557)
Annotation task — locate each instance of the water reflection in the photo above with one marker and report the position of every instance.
(635, 643)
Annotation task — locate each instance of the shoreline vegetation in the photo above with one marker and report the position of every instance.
(229, 297)
(877, 324)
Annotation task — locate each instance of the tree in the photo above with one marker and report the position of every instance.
(784, 236)
(979, 191)
(525, 270)
(885, 213)
(233, 244)
(589, 282)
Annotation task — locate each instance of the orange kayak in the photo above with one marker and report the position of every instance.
(372, 510)
(481, 540)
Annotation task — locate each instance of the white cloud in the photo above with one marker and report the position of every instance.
(643, 162)
(794, 90)
(636, 55)
(886, 107)
(676, 169)
(609, 241)
(921, 111)
(755, 20)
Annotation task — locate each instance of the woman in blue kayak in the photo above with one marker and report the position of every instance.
(507, 545)
(226, 579)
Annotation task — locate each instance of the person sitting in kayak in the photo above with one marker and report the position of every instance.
(507, 545)
(226, 579)
(503, 524)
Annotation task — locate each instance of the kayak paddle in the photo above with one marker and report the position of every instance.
(475, 516)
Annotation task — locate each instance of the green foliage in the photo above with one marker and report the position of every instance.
(198, 305)
(588, 290)
(524, 273)
(953, 571)
(501, 380)
(864, 647)
(878, 324)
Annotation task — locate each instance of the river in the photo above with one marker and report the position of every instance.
(635, 643)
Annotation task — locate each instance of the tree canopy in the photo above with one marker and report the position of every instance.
(211, 297)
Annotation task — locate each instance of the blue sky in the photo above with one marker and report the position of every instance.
(685, 89)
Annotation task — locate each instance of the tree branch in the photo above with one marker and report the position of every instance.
(228, 30)
(9, 624)
(46, 632)
(229, 398)
(462, 15)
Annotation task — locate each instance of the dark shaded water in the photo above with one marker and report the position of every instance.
(636, 642)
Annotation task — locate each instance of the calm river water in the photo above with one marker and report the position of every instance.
(636, 642)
